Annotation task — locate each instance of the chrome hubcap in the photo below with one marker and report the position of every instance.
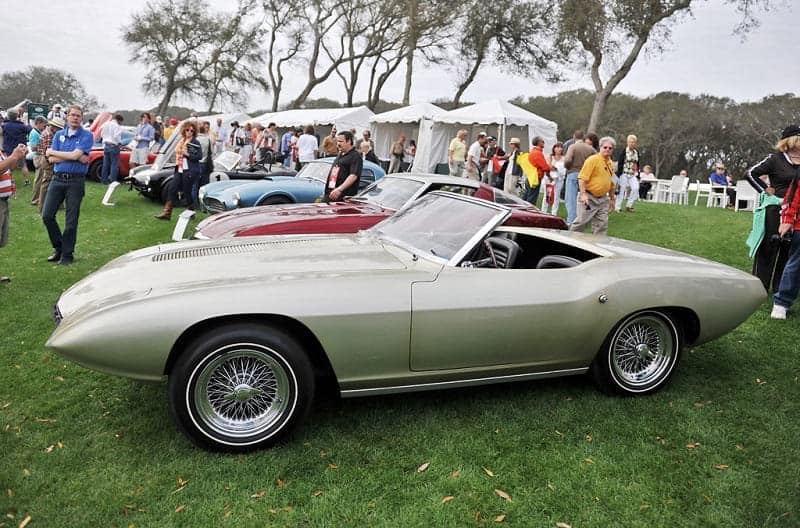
(243, 391)
(643, 350)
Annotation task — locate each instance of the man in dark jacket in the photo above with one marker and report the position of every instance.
(15, 132)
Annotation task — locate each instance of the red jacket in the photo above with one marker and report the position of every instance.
(790, 212)
(536, 157)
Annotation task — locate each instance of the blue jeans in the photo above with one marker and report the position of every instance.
(790, 280)
(61, 189)
(110, 172)
(571, 197)
(184, 184)
(531, 194)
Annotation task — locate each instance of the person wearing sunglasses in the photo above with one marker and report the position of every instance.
(596, 190)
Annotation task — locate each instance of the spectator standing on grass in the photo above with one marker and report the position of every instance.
(398, 152)
(596, 188)
(286, 147)
(576, 156)
(492, 149)
(329, 147)
(111, 135)
(307, 147)
(69, 153)
(15, 132)
(457, 153)
(772, 177)
(45, 175)
(555, 178)
(628, 174)
(188, 153)
(474, 157)
(158, 130)
(143, 136)
(345, 172)
(7, 190)
(511, 170)
(537, 159)
(790, 225)
(35, 154)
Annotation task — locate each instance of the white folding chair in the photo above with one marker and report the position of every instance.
(718, 196)
(677, 189)
(745, 193)
(703, 191)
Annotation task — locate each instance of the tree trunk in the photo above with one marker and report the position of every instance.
(471, 77)
(409, 72)
(599, 106)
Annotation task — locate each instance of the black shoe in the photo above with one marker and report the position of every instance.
(66, 261)
(55, 257)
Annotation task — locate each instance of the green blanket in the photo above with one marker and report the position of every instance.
(757, 234)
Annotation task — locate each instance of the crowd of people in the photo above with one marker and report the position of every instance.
(584, 171)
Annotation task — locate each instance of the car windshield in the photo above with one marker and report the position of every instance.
(441, 225)
(315, 171)
(391, 193)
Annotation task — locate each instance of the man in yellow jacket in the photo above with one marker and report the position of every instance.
(596, 187)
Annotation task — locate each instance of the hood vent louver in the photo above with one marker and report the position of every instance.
(233, 249)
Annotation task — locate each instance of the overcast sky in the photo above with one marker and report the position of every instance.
(704, 57)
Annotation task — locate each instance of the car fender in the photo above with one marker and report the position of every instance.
(282, 193)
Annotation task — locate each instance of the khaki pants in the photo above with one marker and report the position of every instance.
(38, 162)
(596, 213)
(45, 177)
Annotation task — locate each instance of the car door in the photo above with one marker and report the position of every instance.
(481, 317)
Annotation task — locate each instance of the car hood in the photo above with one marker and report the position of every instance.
(230, 223)
(194, 265)
(229, 186)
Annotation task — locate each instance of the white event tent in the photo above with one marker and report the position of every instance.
(322, 119)
(495, 117)
(413, 122)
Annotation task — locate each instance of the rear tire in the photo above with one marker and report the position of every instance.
(640, 354)
(240, 388)
(95, 170)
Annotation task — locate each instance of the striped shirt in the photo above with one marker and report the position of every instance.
(7, 187)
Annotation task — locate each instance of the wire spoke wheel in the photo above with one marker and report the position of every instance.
(242, 392)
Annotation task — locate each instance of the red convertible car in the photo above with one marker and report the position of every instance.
(96, 155)
(373, 204)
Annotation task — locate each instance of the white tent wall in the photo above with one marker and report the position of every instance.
(384, 134)
(388, 126)
(322, 119)
(443, 133)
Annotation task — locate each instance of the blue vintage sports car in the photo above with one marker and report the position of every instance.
(306, 187)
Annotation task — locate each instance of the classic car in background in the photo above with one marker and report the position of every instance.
(157, 184)
(439, 295)
(372, 205)
(96, 160)
(306, 187)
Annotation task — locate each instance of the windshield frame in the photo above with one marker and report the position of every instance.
(389, 178)
(324, 179)
(501, 213)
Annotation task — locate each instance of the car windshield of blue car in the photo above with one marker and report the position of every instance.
(390, 193)
(439, 225)
(315, 171)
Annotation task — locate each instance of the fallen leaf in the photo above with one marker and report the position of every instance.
(644, 507)
(280, 483)
(6, 405)
(60, 445)
(721, 467)
(59, 378)
(693, 445)
(45, 420)
(182, 482)
(559, 433)
(707, 499)
(26, 472)
(258, 495)
(477, 516)
(551, 487)
(447, 499)
(588, 438)
(661, 441)
(180, 489)
(332, 466)
(488, 472)
(228, 513)
(273, 511)
(180, 508)
(739, 447)
(503, 494)
(699, 405)
(588, 460)
(562, 525)
(25, 522)
(456, 473)
(49, 448)
(423, 467)
(318, 493)
(500, 518)
(10, 492)
(322, 454)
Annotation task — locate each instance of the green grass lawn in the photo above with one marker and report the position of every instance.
(717, 447)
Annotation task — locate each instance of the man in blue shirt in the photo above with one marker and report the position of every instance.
(719, 179)
(286, 147)
(69, 153)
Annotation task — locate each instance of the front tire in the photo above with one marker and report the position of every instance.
(95, 170)
(274, 200)
(241, 388)
(640, 354)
